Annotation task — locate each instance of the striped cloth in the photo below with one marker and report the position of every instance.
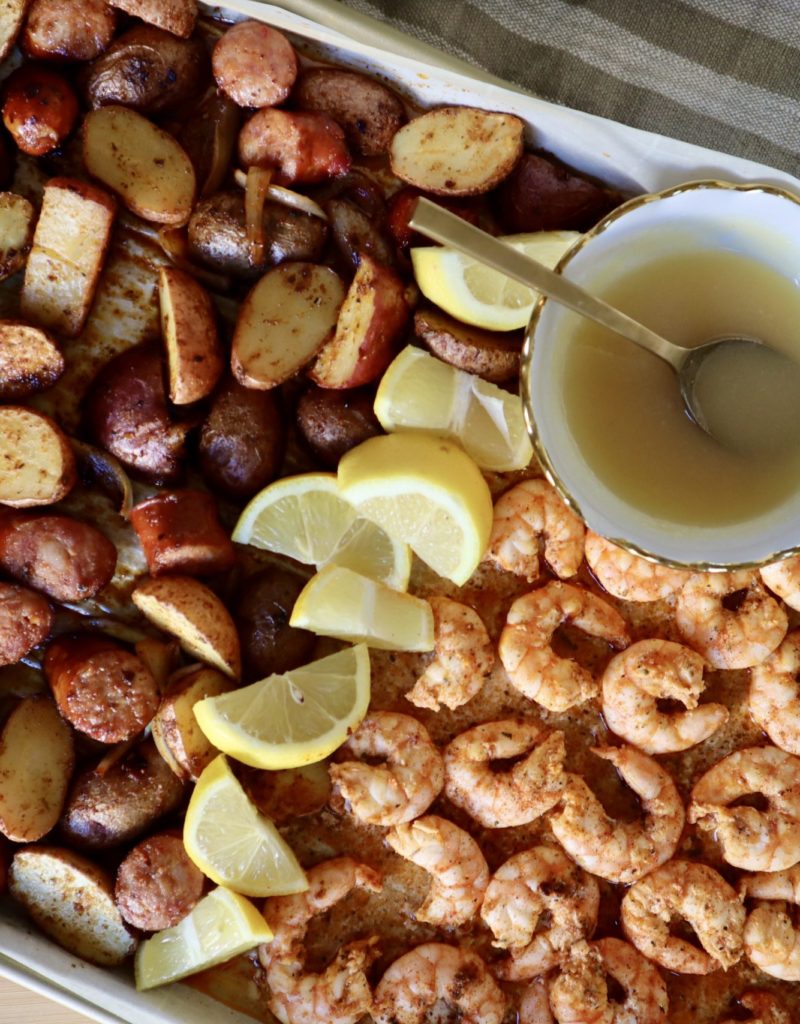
(720, 73)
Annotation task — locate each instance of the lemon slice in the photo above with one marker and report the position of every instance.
(425, 491)
(222, 925)
(232, 843)
(478, 295)
(306, 518)
(419, 391)
(340, 603)
(294, 719)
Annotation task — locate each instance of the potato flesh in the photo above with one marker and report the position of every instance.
(11, 14)
(37, 466)
(175, 728)
(175, 16)
(29, 360)
(188, 326)
(16, 232)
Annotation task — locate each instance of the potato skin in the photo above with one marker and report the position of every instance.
(332, 421)
(493, 355)
(269, 643)
(242, 440)
(64, 30)
(39, 109)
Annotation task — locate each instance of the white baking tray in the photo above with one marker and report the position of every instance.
(622, 156)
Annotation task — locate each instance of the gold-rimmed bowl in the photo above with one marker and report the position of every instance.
(759, 221)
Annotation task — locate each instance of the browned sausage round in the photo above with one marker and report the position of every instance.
(66, 559)
(269, 643)
(64, 30)
(254, 64)
(39, 109)
(100, 688)
(301, 147)
(157, 883)
(25, 621)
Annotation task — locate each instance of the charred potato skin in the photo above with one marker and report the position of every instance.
(60, 30)
(332, 421)
(40, 109)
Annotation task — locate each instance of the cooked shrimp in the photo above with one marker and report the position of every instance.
(500, 799)
(542, 880)
(534, 1006)
(529, 512)
(462, 659)
(525, 643)
(766, 1009)
(628, 576)
(413, 984)
(783, 579)
(638, 677)
(770, 939)
(774, 699)
(459, 869)
(752, 839)
(701, 896)
(405, 786)
(621, 851)
(339, 994)
(727, 638)
(579, 995)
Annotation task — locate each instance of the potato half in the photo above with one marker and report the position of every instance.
(37, 464)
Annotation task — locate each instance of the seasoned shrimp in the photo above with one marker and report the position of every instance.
(579, 995)
(525, 643)
(539, 881)
(765, 1008)
(638, 677)
(530, 511)
(770, 939)
(405, 786)
(750, 838)
(534, 1006)
(628, 576)
(341, 993)
(783, 579)
(500, 799)
(462, 659)
(459, 869)
(726, 638)
(774, 698)
(701, 896)
(621, 851)
(413, 984)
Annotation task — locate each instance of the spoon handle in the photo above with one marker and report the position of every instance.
(443, 226)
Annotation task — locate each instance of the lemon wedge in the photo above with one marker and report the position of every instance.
(420, 392)
(426, 492)
(222, 925)
(293, 719)
(232, 843)
(478, 295)
(306, 518)
(338, 602)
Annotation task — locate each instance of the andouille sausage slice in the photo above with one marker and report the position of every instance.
(157, 884)
(64, 558)
(102, 689)
(180, 532)
(64, 30)
(254, 64)
(26, 619)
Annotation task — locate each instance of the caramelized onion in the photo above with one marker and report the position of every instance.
(286, 197)
(97, 466)
(255, 195)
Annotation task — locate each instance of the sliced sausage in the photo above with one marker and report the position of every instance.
(301, 148)
(66, 559)
(101, 688)
(269, 643)
(64, 30)
(180, 532)
(254, 64)
(39, 109)
(26, 619)
(157, 884)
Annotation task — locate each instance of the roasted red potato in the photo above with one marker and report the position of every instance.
(209, 139)
(332, 422)
(12, 14)
(127, 414)
(368, 111)
(542, 194)
(301, 148)
(493, 355)
(254, 64)
(157, 883)
(37, 464)
(263, 609)
(39, 109)
(30, 360)
(371, 323)
(353, 232)
(180, 532)
(189, 331)
(63, 30)
(242, 441)
(101, 688)
(66, 559)
(175, 16)
(26, 619)
(16, 232)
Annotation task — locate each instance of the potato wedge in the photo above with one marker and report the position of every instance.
(37, 464)
(16, 233)
(189, 330)
(493, 355)
(161, 658)
(72, 901)
(284, 322)
(69, 248)
(30, 360)
(457, 151)
(37, 757)
(178, 737)
(195, 616)
(12, 14)
(142, 164)
(176, 16)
